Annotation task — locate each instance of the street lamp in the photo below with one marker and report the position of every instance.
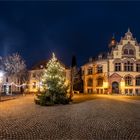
(1, 80)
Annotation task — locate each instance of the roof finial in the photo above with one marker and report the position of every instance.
(128, 29)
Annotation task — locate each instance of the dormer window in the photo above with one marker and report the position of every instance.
(126, 51)
(131, 52)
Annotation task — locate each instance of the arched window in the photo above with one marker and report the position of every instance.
(89, 71)
(99, 69)
(100, 82)
(128, 50)
(128, 81)
(138, 81)
(131, 52)
(125, 51)
(90, 82)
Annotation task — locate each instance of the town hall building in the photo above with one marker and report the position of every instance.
(117, 71)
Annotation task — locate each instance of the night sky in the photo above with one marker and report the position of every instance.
(36, 29)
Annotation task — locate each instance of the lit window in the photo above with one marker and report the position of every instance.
(41, 66)
(128, 81)
(100, 82)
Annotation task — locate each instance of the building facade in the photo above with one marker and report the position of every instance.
(35, 74)
(10, 84)
(117, 71)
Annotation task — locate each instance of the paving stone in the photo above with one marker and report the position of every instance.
(100, 119)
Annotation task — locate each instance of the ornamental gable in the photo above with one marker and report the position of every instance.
(128, 47)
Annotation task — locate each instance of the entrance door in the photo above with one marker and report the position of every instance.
(115, 87)
(7, 89)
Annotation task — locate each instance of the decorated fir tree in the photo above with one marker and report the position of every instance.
(54, 83)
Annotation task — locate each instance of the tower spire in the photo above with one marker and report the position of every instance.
(112, 43)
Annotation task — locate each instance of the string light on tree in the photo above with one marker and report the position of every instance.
(54, 81)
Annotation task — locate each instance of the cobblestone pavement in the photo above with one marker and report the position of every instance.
(10, 97)
(100, 119)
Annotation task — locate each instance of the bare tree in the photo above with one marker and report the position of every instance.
(15, 66)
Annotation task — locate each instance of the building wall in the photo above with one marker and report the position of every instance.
(34, 82)
(115, 81)
(10, 84)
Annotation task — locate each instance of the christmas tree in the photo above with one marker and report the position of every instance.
(54, 83)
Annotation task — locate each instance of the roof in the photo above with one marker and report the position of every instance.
(42, 64)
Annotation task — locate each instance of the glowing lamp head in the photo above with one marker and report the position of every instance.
(1, 74)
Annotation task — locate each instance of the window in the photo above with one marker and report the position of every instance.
(117, 66)
(128, 50)
(128, 66)
(99, 69)
(128, 81)
(90, 82)
(41, 66)
(137, 81)
(97, 91)
(90, 90)
(125, 51)
(89, 71)
(100, 82)
(131, 52)
(18, 81)
(34, 84)
(33, 75)
(126, 91)
(137, 91)
(7, 79)
(130, 91)
(138, 67)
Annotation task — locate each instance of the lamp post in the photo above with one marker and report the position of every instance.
(1, 80)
